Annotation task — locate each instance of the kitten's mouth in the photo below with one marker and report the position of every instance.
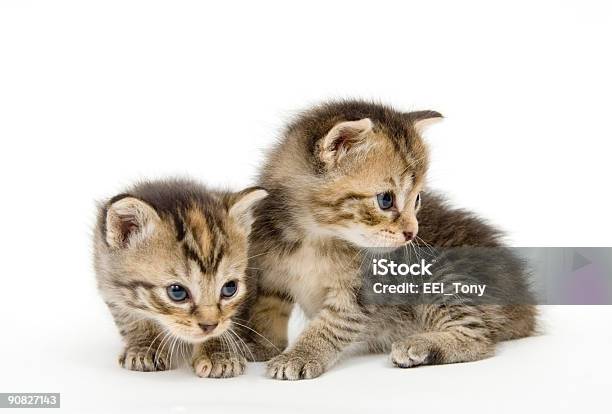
(208, 332)
(197, 334)
(199, 338)
(385, 242)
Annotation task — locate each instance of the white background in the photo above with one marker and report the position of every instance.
(94, 95)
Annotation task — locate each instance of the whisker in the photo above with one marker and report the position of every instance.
(253, 330)
(232, 343)
(153, 341)
(225, 343)
(243, 343)
(161, 344)
(238, 344)
(176, 341)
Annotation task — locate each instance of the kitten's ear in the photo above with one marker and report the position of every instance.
(341, 138)
(240, 206)
(422, 119)
(129, 221)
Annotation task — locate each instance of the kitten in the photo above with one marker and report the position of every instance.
(348, 176)
(170, 260)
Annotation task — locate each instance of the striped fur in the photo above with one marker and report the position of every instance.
(176, 232)
(311, 233)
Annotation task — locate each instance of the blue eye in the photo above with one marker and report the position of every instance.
(229, 289)
(177, 293)
(385, 200)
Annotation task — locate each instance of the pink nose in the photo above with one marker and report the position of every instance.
(408, 235)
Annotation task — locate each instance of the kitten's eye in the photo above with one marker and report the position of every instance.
(417, 203)
(229, 289)
(177, 293)
(385, 200)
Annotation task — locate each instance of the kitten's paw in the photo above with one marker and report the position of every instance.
(294, 366)
(413, 352)
(143, 358)
(219, 365)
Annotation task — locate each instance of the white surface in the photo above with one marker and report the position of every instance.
(565, 370)
(96, 94)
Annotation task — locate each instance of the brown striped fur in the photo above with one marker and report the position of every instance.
(161, 233)
(310, 234)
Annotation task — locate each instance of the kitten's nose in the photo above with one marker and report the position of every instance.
(408, 235)
(208, 328)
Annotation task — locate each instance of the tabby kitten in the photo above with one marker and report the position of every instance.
(346, 177)
(170, 259)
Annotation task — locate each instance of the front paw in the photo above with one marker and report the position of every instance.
(144, 358)
(294, 366)
(219, 365)
(413, 352)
